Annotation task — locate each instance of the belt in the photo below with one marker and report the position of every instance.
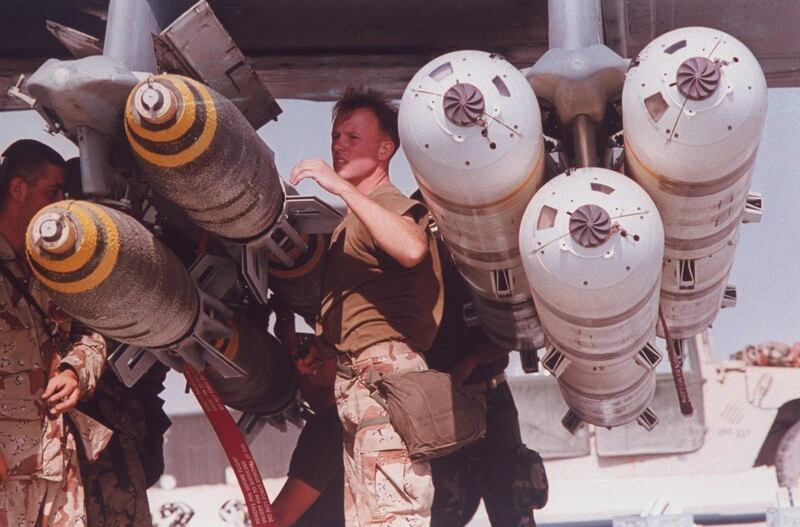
(487, 385)
(344, 367)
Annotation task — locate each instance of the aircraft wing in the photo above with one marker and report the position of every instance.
(314, 49)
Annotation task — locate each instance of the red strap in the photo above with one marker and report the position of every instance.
(241, 460)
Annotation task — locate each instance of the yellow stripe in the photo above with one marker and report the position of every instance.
(231, 350)
(186, 113)
(305, 268)
(191, 153)
(87, 241)
(104, 267)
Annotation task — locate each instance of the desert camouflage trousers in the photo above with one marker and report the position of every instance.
(382, 486)
(46, 503)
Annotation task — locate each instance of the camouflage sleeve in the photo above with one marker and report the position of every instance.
(87, 357)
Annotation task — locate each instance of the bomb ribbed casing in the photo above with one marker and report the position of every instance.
(196, 149)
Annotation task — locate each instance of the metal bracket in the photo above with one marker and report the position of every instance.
(198, 46)
(572, 422)
(470, 314)
(647, 419)
(256, 253)
(502, 283)
(648, 357)
(16, 92)
(251, 425)
(687, 279)
(555, 362)
(130, 363)
(753, 208)
(729, 297)
(215, 275)
(198, 349)
(307, 214)
(311, 215)
(529, 360)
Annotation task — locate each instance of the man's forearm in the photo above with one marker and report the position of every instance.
(87, 357)
(398, 236)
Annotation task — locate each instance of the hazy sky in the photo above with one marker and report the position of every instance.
(766, 267)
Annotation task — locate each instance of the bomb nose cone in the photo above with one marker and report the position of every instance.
(698, 78)
(590, 225)
(155, 103)
(54, 233)
(463, 104)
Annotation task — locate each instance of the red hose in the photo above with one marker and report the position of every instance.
(677, 371)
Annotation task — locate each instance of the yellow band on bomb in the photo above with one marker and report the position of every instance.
(197, 147)
(89, 237)
(85, 248)
(185, 119)
(302, 270)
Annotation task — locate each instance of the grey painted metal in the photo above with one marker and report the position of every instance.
(94, 148)
(584, 141)
(196, 45)
(83, 98)
(130, 28)
(312, 215)
(130, 363)
(574, 24)
(85, 92)
(281, 245)
(579, 82)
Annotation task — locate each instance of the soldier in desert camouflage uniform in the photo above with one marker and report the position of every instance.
(40, 383)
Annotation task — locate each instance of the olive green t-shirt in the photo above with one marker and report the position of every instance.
(368, 297)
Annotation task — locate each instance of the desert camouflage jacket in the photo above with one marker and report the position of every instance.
(30, 442)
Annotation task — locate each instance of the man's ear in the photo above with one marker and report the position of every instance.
(17, 189)
(386, 150)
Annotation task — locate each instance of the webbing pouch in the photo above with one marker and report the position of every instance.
(432, 414)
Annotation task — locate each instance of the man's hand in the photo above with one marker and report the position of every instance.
(322, 173)
(62, 392)
(311, 363)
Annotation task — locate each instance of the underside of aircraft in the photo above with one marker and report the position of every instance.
(313, 50)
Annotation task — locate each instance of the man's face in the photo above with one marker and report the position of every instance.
(358, 145)
(47, 189)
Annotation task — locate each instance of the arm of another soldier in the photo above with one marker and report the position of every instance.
(293, 501)
(399, 236)
(78, 371)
